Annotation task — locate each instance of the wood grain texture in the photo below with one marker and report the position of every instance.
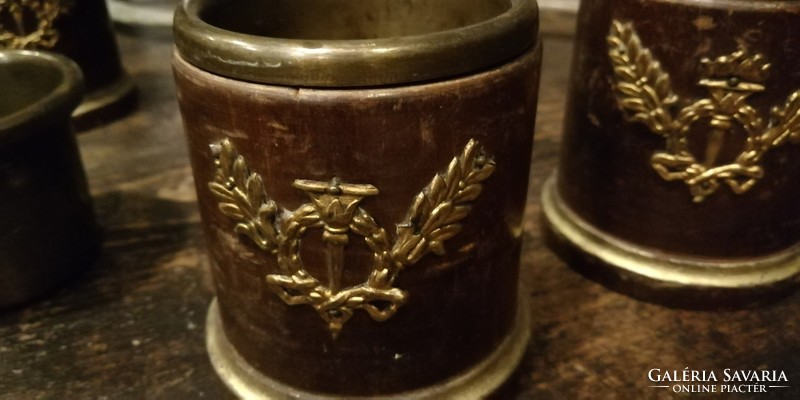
(132, 327)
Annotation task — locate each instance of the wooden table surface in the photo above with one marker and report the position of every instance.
(132, 326)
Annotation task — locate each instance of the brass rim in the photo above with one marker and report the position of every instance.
(477, 382)
(357, 62)
(660, 269)
(59, 101)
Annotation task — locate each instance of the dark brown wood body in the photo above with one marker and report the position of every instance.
(605, 174)
(460, 306)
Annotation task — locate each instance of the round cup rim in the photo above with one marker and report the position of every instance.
(56, 104)
(356, 62)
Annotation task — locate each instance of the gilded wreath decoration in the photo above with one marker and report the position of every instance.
(645, 94)
(334, 207)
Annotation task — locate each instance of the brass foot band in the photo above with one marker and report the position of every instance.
(634, 265)
(106, 104)
(477, 382)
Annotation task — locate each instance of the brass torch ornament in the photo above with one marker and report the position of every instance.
(433, 218)
(644, 92)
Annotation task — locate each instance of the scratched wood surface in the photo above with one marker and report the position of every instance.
(132, 326)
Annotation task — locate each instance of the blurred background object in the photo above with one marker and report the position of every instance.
(557, 17)
(563, 5)
(80, 30)
(147, 15)
(48, 227)
(681, 150)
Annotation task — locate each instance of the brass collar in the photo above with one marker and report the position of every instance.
(351, 44)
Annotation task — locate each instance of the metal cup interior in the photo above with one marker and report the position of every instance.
(348, 20)
(354, 43)
(38, 89)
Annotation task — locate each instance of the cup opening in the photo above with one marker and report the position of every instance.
(347, 20)
(27, 83)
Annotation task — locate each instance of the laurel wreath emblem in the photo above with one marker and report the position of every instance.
(434, 217)
(644, 92)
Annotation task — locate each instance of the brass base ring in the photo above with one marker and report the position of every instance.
(632, 265)
(106, 104)
(475, 383)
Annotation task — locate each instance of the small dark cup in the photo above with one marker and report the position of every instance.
(48, 226)
(80, 30)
